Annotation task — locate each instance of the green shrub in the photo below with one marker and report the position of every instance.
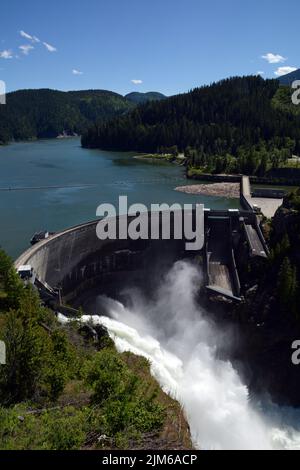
(107, 375)
(64, 431)
(53, 430)
(124, 399)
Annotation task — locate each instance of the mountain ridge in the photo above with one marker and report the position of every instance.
(46, 113)
(289, 78)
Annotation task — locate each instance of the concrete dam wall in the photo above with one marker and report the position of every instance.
(76, 260)
(70, 260)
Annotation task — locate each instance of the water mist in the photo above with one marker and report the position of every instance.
(180, 343)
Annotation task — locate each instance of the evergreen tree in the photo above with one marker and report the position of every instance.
(287, 286)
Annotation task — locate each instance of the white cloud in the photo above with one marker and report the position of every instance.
(77, 72)
(284, 70)
(7, 54)
(274, 58)
(49, 47)
(137, 82)
(26, 49)
(28, 36)
(260, 72)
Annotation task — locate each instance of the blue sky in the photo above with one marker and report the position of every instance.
(163, 45)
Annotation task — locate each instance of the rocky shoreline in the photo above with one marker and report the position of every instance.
(227, 190)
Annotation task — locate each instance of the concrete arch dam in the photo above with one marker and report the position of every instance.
(75, 263)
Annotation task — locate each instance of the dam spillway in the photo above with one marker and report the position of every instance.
(221, 266)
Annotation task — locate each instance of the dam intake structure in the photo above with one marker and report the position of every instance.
(72, 265)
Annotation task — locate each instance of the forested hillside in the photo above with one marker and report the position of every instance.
(31, 114)
(64, 388)
(233, 125)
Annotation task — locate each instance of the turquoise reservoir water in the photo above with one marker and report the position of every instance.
(71, 182)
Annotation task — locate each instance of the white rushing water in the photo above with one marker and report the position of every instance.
(180, 345)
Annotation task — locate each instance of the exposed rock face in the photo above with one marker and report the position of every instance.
(88, 332)
(267, 357)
